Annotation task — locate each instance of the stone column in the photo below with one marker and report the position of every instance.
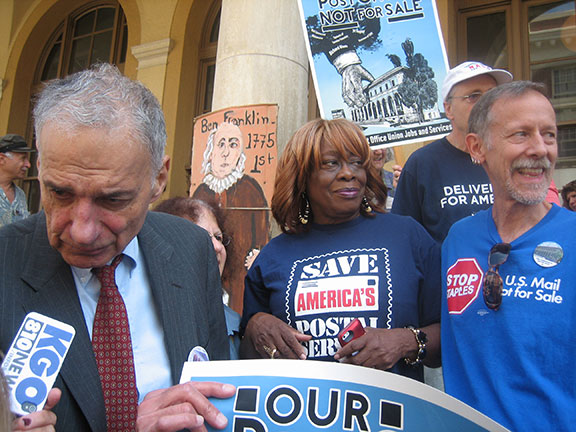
(262, 59)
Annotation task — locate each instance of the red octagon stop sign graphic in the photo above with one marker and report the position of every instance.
(463, 284)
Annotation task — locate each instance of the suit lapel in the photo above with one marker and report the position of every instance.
(168, 278)
(54, 294)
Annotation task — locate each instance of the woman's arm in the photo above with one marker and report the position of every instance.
(383, 348)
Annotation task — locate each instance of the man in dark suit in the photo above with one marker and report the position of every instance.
(101, 141)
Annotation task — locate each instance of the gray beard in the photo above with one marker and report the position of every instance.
(535, 196)
(537, 193)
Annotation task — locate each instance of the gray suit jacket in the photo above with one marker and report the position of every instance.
(185, 284)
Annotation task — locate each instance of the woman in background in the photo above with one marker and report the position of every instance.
(569, 195)
(209, 216)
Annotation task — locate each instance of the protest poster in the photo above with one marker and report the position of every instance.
(296, 395)
(379, 64)
(233, 165)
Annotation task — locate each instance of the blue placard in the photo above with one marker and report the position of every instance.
(296, 395)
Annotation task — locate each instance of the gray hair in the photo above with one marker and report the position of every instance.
(101, 97)
(481, 115)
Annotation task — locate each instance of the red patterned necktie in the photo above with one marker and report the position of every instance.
(113, 350)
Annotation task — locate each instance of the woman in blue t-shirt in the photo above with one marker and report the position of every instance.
(341, 257)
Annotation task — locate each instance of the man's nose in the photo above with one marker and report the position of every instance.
(85, 223)
(538, 146)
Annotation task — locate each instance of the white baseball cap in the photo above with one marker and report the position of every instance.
(468, 70)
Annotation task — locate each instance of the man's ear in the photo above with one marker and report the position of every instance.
(476, 148)
(161, 179)
(448, 111)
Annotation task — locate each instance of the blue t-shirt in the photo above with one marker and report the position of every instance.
(383, 270)
(516, 364)
(440, 185)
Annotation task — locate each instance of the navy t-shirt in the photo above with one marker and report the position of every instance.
(440, 185)
(384, 270)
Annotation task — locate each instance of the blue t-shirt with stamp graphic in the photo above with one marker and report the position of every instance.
(383, 270)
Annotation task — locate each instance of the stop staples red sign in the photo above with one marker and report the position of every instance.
(463, 284)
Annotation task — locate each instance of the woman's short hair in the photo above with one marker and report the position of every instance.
(190, 208)
(302, 155)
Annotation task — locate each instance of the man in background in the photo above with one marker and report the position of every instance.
(14, 165)
(508, 273)
(440, 182)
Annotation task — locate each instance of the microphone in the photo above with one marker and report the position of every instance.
(34, 360)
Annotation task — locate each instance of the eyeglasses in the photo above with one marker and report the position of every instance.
(225, 239)
(472, 98)
(493, 283)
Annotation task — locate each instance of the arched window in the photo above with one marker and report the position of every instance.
(90, 35)
(399, 105)
(95, 33)
(207, 62)
(391, 106)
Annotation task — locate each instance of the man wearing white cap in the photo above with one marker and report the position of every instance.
(440, 184)
(14, 165)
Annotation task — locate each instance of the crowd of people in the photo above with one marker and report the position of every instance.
(500, 336)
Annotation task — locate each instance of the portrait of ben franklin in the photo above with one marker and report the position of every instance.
(225, 181)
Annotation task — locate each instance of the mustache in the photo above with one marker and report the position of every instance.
(542, 163)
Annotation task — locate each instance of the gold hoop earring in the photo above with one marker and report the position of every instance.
(366, 205)
(304, 218)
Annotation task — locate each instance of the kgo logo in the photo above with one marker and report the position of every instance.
(463, 281)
